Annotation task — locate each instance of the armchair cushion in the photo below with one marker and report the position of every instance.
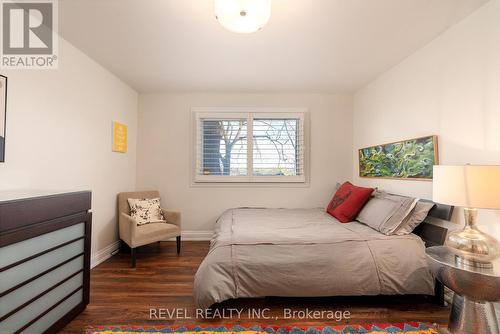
(153, 232)
(146, 210)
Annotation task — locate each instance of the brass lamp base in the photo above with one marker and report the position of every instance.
(471, 246)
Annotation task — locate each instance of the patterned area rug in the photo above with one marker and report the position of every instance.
(408, 328)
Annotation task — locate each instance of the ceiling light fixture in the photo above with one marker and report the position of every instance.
(243, 16)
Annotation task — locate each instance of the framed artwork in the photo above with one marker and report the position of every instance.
(119, 137)
(410, 159)
(3, 115)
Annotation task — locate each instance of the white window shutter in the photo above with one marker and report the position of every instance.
(249, 146)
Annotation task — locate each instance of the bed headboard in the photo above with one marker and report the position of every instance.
(431, 234)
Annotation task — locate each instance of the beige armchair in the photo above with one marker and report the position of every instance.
(134, 235)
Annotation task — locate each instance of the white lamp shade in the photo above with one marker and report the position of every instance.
(243, 16)
(467, 186)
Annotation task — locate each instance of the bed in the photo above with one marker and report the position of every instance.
(307, 253)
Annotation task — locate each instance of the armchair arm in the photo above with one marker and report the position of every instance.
(127, 227)
(172, 217)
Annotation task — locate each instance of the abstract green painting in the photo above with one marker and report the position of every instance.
(408, 159)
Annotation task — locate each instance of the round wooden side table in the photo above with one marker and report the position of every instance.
(475, 290)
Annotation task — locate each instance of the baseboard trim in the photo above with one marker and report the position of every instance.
(104, 254)
(197, 235)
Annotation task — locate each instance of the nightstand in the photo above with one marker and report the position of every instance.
(475, 290)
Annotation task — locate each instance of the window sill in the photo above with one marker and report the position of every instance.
(249, 179)
(254, 184)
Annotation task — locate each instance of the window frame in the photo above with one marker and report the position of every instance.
(249, 113)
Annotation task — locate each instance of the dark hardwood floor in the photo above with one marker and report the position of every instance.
(121, 295)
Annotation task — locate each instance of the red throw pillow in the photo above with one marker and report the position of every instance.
(348, 201)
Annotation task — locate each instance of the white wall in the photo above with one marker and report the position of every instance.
(164, 163)
(450, 88)
(59, 135)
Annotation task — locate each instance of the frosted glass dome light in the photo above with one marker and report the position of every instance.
(243, 16)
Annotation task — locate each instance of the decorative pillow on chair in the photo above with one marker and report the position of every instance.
(348, 201)
(146, 210)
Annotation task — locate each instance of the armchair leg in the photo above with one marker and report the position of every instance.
(178, 240)
(132, 253)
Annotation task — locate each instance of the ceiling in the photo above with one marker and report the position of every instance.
(334, 46)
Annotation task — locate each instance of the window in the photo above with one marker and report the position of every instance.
(251, 145)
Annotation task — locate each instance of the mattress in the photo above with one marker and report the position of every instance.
(306, 253)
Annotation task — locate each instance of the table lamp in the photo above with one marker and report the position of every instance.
(471, 187)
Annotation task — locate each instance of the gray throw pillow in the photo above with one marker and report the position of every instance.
(386, 212)
(417, 216)
(377, 212)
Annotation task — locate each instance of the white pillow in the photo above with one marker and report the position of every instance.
(146, 210)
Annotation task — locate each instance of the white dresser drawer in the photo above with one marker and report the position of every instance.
(27, 292)
(24, 249)
(25, 271)
(34, 309)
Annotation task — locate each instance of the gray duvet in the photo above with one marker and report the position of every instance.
(306, 252)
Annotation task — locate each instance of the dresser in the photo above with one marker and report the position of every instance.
(44, 259)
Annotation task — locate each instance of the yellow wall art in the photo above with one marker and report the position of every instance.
(119, 137)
